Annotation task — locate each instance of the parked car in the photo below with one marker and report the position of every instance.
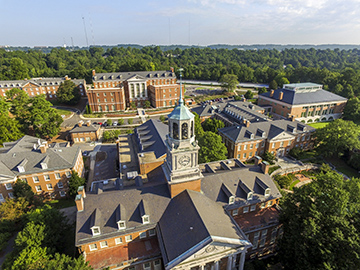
(115, 123)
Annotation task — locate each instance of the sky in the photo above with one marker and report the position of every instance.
(187, 22)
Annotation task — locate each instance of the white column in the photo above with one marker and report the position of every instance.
(146, 92)
(130, 90)
(202, 267)
(216, 265)
(229, 263)
(242, 260)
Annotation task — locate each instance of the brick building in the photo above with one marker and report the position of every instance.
(306, 102)
(187, 216)
(118, 91)
(278, 137)
(46, 168)
(38, 86)
(84, 133)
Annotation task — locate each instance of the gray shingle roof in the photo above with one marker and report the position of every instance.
(38, 82)
(297, 98)
(124, 76)
(84, 128)
(13, 154)
(151, 137)
(191, 218)
(241, 133)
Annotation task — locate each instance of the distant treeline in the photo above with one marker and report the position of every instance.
(338, 70)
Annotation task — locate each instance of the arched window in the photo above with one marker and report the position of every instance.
(175, 131)
(184, 131)
(192, 128)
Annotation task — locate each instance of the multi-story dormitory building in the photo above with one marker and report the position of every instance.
(38, 86)
(46, 168)
(187, 216)
(306, 102)
(247, 140)
(117, 91)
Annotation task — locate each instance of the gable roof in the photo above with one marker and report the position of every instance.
(192, 220)
(84, 128)
(124, 76)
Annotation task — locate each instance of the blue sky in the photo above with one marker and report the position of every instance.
(195, 22)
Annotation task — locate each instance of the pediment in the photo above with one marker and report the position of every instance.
(136, 78)
(30, 84)
(283, 136)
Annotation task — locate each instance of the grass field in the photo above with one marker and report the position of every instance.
(318, 125)
(63, 112)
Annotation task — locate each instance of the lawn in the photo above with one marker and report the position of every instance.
(63, 112)
(318, 125)
(62, 203)
(342, 166)
(293, 184)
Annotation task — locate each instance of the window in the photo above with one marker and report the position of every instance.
(8, 186)
(142, 235)
(36, 179)
(118, 241)
(257, 145)
(239, 147)
(262, 205)
(47, 177)
(62, 193)
(1, 198)
(245, 146)
(121, 225)
(281, 144)
(93, 247)
(152, 232)
(235, 212)
(273, 145)
(157, 264)
(251, 146)
(145, 219)
(246, 209)
(57, 175)
(95, 230)
(128, 238)
(273, 236)
(253, 207)
(269, 203)
(38, 188)
(68, 174)
(60, 185)
(256, 240)
(11, 195)
(147, 266)
(244, 156)
(103, 244)
(49, 186)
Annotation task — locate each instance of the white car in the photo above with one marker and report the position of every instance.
(115, 123)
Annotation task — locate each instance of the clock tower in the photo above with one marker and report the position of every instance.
(181, 167)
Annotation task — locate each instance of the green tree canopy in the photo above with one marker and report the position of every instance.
(211, 147)
(321, 225)
(212, 124)
(262, 90)
(352, 109)
(68, 93)
(337, 137)
(75, 181)
(249, 94)
(199, 131)
(273, 85)
(229, 82)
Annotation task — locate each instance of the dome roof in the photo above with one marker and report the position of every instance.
(181, 112)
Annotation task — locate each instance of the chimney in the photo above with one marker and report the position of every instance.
(79, 203)
(281, 95)
(172, 69)
(43, 148)
(88, 123)
(257, 160)
(272, 93)
(81, 191)
(80, 123)
(247, 123)
(93, 72)
(265, 167)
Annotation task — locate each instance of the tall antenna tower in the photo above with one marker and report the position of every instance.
(92, 32)
(169, 33)
(87, 42)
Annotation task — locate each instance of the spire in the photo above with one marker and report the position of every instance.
(181, 101)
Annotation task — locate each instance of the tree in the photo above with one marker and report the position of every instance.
(352, 109)
(262, 90)
(17, 69)
(269, 157)
(88, 109)
(75, 181)
(13, 210)
(44, 120)
(162, 118)
(354, 160)
(249, 94)
(133, 105)
(9, 129)
(211, 147)
(19, 101)
(23, 189)
(121, 121)
(109, 122)
(273, 85)
(321, 225)
(213, 125)
(199, 131)
(68, 93)
(147, 104)
(130, 121)
(229, 82)
(337, 137)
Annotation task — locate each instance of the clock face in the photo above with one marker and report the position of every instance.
(184, 160)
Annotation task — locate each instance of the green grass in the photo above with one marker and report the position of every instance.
(62, 203)
(63, 112)
(343, 167)
(318, 125)
(293, 184)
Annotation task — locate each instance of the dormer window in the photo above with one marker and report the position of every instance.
(121, 225)
(250, 196)
(95, 231)
(267, 192)
(145, 219)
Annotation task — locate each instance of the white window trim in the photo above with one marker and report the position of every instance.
(235, 212)
(142, 235)
(128, 238)
(104, 244)
(118, 241)
(246, 209)
(120, 223)
(252, 207)
(152, 232)
(93, 231)
(145, 219)
(94, 248)
(7, 187)
(62, 193)
(36, 177)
